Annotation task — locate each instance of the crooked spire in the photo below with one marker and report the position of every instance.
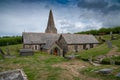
(51, 26)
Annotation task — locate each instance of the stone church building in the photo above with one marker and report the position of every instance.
(57, 44)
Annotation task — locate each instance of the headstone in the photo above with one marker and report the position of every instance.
(8, 52)
(105, 71)
(109, 44)
(111, 33)
(90, 59)
(26, 52)
(118, 75)
(113, 37)
(72, 56)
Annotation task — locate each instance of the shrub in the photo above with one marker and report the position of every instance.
(116, 59)
(10, 40)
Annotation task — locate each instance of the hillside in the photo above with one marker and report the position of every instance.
(103, 49)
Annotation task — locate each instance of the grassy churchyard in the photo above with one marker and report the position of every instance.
(42, 66)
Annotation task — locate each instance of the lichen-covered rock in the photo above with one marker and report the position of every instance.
(13, 75)
(105, 71)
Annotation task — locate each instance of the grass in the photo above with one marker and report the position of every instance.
(117, 43)
(91, 72)
(99, 50)
(13, 49)
(102, 49)
(37, 67)
(40, 65)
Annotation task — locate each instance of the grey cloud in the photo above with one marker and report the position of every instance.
(114, 7)
(92, 4)
(103, 6)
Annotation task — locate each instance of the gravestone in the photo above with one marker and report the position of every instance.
(72, 56)
(113, 37)
(109, 44)
(90, 59)
(8, 51)
(118, 75)
(26, 52)
(111, 33)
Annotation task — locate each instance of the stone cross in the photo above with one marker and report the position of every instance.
(109, 44)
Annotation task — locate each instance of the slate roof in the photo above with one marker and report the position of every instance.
(47, 39)
(79, 39)
(40, 38)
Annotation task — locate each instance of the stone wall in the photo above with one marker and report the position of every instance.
(71, 47)
(62, 43)
(33, 47)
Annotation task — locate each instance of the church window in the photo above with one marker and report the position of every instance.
(35, 47)
(84, 46)
(76, 48)
(91, 45)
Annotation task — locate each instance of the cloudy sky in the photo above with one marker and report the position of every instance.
(17, 16)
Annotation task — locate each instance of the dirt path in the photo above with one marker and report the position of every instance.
(72, 69)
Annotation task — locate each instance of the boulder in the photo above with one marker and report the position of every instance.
(105, 71)
(13, 75)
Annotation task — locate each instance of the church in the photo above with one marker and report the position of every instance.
(57, 44)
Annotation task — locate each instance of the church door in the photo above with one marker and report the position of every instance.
(56, 51)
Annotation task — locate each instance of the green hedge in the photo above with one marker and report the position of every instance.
(10, 40)
(115, 30)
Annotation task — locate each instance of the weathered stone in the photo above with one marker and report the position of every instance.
(109, 44)
(105, 71)
(118, 75)
(72, 56)
(13, 75)
(26, 52)
(113, 37)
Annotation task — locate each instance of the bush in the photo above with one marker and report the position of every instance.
(105, 61)
(10, 40)
(102, 31)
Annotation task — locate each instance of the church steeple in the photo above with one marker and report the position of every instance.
(51, 26)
